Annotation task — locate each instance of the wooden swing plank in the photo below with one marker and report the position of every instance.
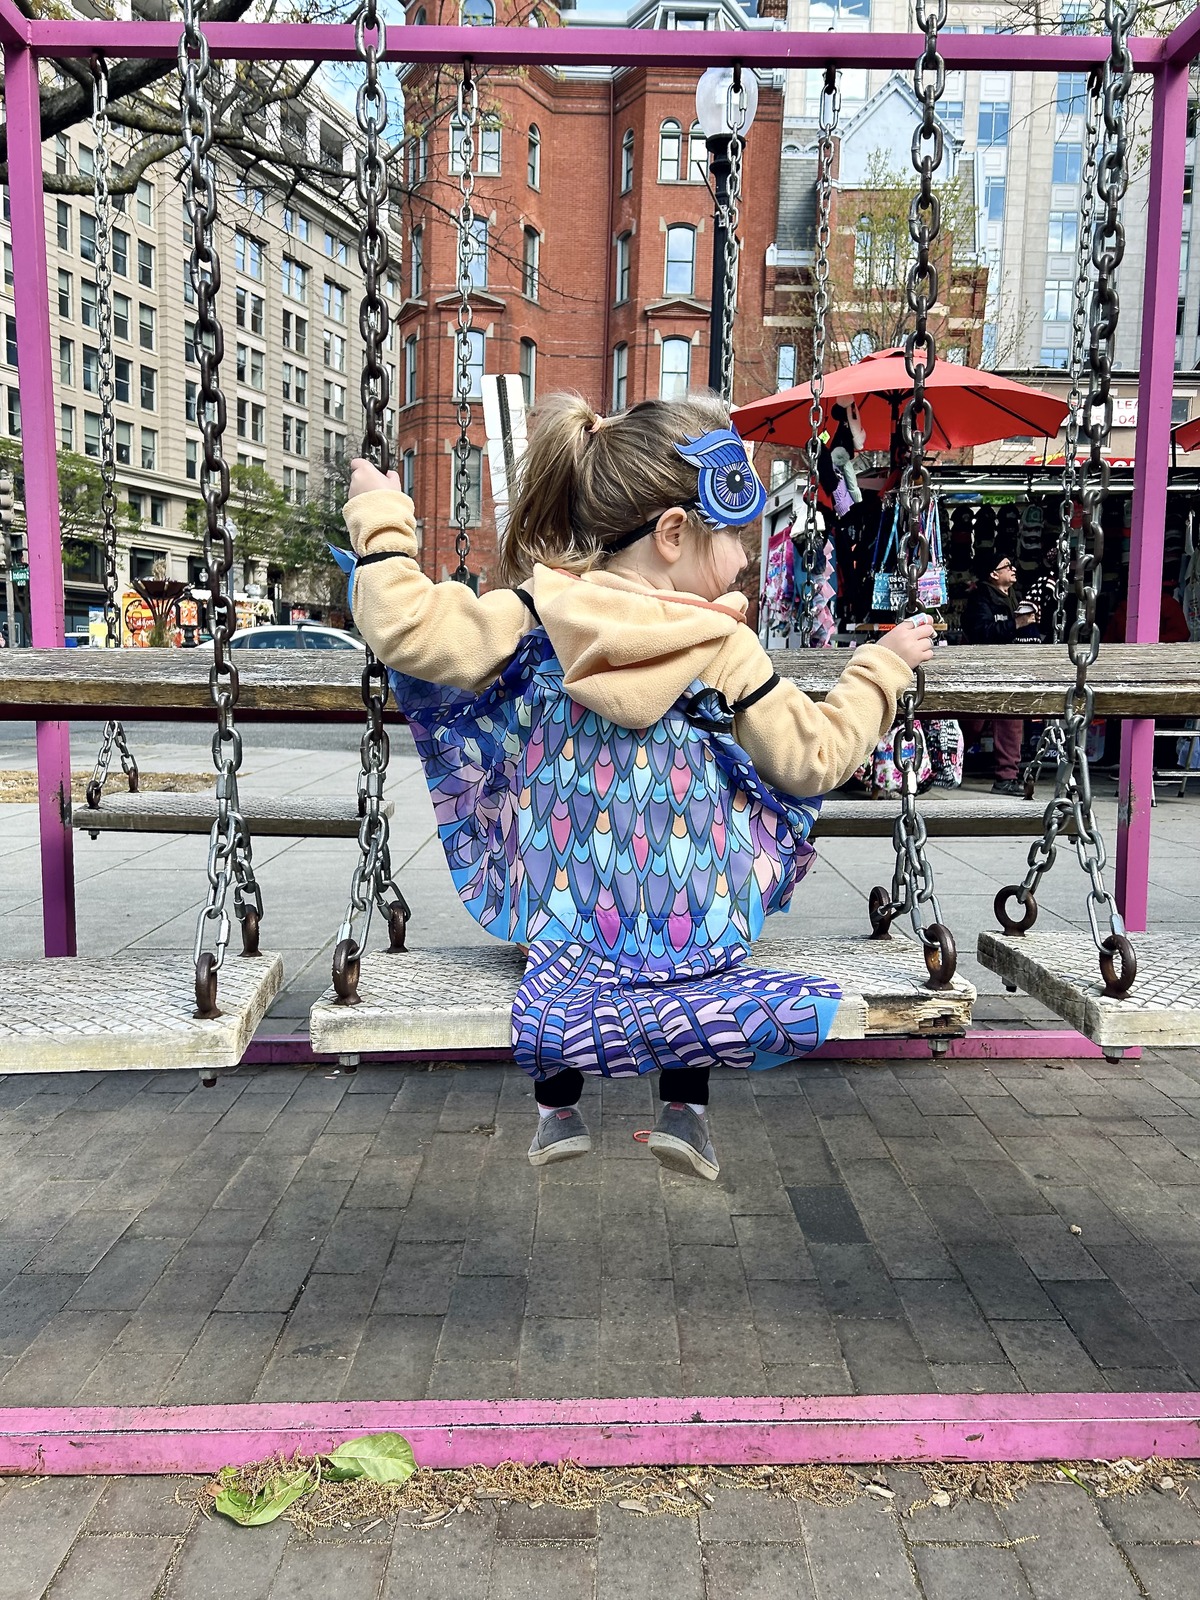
(1060, 969)
(986, 680)
(129, 1013)
(461, 999)
(285, 816)
(947, 814)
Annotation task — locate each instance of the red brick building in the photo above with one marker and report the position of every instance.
(596, 275)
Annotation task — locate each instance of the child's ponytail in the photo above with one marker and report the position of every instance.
(586, 479)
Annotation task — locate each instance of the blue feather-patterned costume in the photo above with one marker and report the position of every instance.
(637, 864)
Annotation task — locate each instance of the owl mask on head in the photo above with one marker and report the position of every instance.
(729, 493)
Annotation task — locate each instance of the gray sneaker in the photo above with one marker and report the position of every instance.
(559, 1136)
(680, 1140)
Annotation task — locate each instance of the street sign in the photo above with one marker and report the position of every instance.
(19, 574)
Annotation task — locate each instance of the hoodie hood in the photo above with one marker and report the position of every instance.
(628, 651)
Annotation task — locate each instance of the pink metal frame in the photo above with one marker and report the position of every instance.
(612, 1433)
(25, 40)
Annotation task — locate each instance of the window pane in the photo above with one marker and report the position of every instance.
(675, 368)
(669, 140)
(681, 256)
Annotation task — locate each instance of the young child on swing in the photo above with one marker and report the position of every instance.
(617, 771)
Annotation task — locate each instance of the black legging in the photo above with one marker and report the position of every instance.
(686, 1084)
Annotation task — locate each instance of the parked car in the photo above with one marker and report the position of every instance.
(296, 636)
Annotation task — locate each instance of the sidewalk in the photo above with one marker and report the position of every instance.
(86, 1538)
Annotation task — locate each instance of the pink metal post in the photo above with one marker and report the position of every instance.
(1153, 452)
(31, 291)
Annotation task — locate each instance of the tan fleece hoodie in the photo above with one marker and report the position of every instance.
(627, 651)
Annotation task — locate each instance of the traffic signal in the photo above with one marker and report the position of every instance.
(6, 517)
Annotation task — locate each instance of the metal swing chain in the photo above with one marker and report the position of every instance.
(1050, 742)
(372, 884)
(912, 880)
(229, 850)
(1073, 784)
(465, 122)
(810, 555)
(114, 732)
(735, 115)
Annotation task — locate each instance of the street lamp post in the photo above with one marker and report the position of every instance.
(720, 110)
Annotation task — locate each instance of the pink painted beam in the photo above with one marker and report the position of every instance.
(287, 41)
(1156, 382)
(612, 1433)
(39, 459)
(1183, 43)
(14, 25)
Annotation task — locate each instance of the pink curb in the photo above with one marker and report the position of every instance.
(612, 1433)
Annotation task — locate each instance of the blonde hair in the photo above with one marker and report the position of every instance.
(587, 479)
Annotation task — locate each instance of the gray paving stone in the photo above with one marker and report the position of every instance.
(854, 1281)
(40, 1519)
(947, 1573)
(856, 1550)
(1067, 1554)
(947, 1323)
(219, 1563)
(227, 1359)
(564, 1282)
(59, 1360)
(1167, 1572)
(960, 1216)
(1048, 1357)
(882, 1355)
(473, 1380)
(827, 1216)
(749, 1517)
(312, 1570)
(793, 1324)
(418, 1279)
(530, 1572)
(638, 1321)
(125, 1276)
(455, 1565)
(1002, 1284)
(560, 1357)
(103, 1568)
(648, 1555)
(1107, 1325)
(271, 1276)
(393, 1359)
(710, 1281)
(144, 1506)
(967, 1521)
(483, 1322)
(27, 1303)
(975, 1379)
(773, 1247)
(1152, 1518)
(756, 1572)
(561, 1524)
(637, 1246)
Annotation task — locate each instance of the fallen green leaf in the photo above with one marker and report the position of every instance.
(253, 1510)
(382, 1457)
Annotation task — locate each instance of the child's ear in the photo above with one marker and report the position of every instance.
(668, 535)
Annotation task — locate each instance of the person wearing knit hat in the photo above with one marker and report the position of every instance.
(990, 617)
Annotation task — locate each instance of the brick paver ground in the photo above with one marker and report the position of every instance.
(128, 1539)
(306, 1235)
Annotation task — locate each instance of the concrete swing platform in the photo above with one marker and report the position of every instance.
(1060, 969)
(461, 999)
(129, 1013)
(279, 816)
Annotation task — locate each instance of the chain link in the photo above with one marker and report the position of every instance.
(912, 881)
(810, 546)
(466, 121)
(114, 734)
(372, 884)
(229, 851)
(736, 111)
(1073, 784)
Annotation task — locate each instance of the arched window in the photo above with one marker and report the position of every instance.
(675, 369)
(533, 169)
(620, 377)
(791, 149)
(627, 161)
(420, 19)
(529, 370)
(670, 141)
(478, 14)
(785, 366)
(531, 263)
(680, 275)
(697, 155)
(623, 267)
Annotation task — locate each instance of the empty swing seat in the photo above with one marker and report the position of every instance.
(129, 1012)
(290, 816)
(447, 1000)
(1060, 969)
(947, 814)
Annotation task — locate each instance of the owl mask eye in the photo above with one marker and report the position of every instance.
(729, 493)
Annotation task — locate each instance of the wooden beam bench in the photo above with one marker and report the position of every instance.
(323, 686)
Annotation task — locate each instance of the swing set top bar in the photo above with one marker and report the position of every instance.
(583, 47)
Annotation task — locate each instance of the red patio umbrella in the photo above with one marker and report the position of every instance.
(1187, 434)
(969, 406)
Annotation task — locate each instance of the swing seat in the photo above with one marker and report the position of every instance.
(947, 814)
(287, 816)
(419, 1001)
(129, 1012)
(1060, 969)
